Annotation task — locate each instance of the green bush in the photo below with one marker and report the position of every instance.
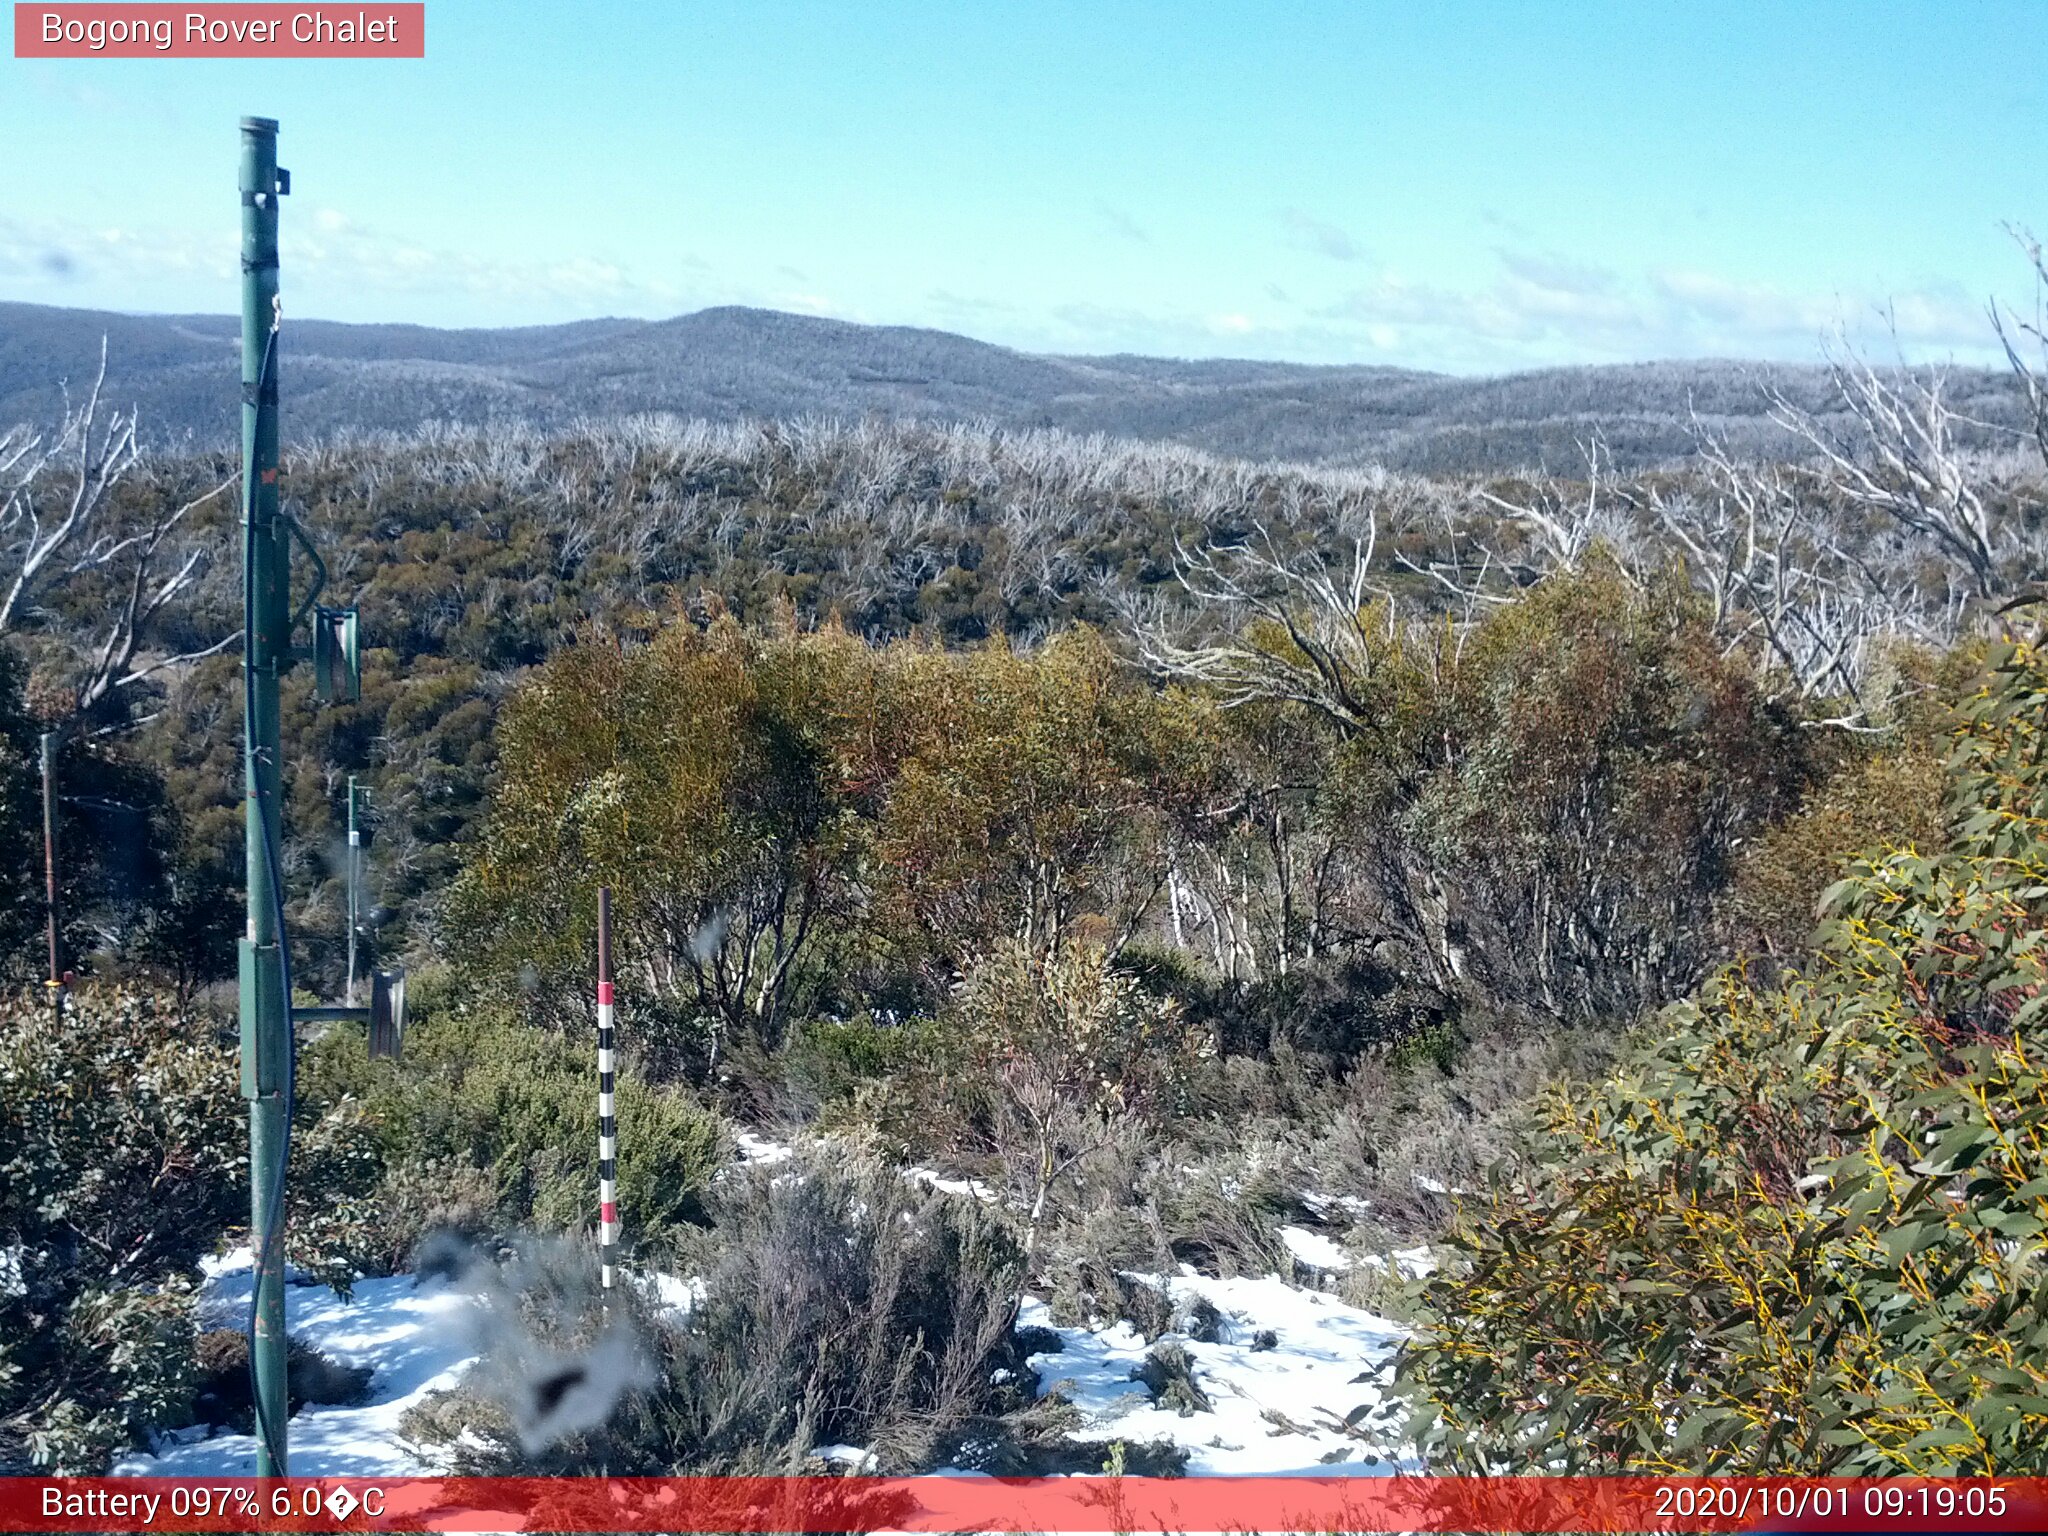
(841, 1303)
(1880, 791)
(121, 1149)
(1061, 1050)
(828, 1061)
(494, 1121)
(1800, 1228)
(123, 1158)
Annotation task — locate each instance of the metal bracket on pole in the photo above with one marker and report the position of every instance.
(262, 988)
(385, 1016)
(312, 597)
(337, 656)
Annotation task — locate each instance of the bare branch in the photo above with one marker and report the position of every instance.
(2009, 326)
(56, 503)
(1317, 644)
(1905, 464)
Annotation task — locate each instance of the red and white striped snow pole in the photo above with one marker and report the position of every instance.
(607, 1121)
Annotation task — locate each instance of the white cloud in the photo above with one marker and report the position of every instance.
(1119, 223)
(1533, 307)
(1556, 274)
(43, 259)
(1324, 239)
(1540, 308)
(333, 265)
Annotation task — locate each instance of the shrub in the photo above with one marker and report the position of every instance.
(1168, 1372)
(1603, 760)
(222, 1391)
(121, 1145)
(1402, 1130)
(1800, 1227)
(708, 779)
(1060, 1048)
(841, 1303)
(495, 1120)
(1890, 799)
(830, 1065)
(20, 897)
(123, 1141)
(419, 1197)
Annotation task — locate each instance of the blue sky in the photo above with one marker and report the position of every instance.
(1470, 187)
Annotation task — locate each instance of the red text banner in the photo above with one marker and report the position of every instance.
(229, 31)
(962, 1504)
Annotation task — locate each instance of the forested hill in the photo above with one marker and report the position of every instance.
(726, 363)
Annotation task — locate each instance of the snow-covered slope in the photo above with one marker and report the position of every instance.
(1294, 1381)
(1294, 1377)
(416, 1337)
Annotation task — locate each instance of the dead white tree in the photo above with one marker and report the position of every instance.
(1564, 524)
(1558, 524)
(57, 524)
(1809, 600)
(2015, 331)
(1299, 628)
(1900, 459)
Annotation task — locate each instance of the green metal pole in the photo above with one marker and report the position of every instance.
(355, 871)
(56, 982)
(266, 1024)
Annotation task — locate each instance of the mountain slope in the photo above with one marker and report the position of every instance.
(180, 371)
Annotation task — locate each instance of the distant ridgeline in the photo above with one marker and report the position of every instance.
(725, 364)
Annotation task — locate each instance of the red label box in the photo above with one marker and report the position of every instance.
(372, 30)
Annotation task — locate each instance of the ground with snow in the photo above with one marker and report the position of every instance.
(416, 1337)
(1293, 1376)
(1294, 1380)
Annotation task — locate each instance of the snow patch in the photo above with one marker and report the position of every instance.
(1315, 1250)
(1356, 1207)
(415, 1337)
(1303, 1400)
(1409, 1263)
(673, 1296)
(847, 1455)
(760, 1151)
(949, 1186)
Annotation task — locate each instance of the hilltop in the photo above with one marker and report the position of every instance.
(732, 363)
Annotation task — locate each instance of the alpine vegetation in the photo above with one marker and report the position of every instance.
(1126, 957)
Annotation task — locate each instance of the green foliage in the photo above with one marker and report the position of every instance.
(840, 1303)
(1069, 1028)
(122, 1162)
(1880, 791)
(117, 836)
(120, 1152)
(1800, 1227)
(791, 820)
(705, 778)
(21, 905)
(1587, 761)
(867, 1078)
(1891, 798)
(492, 1121)
(1027, 796)
(1059, 1052)
(1532, 814)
